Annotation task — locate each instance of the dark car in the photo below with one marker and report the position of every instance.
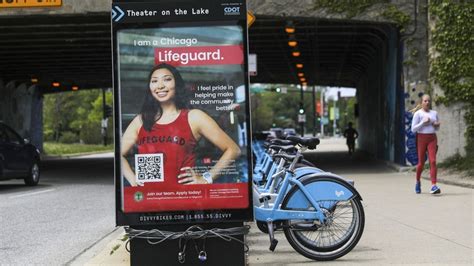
(289, 132)
(278, 132)
(18, 158)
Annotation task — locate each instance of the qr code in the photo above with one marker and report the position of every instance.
(149, 167)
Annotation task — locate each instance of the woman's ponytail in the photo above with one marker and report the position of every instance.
(417, 107)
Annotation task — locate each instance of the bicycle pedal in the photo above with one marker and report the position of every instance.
(273, 244)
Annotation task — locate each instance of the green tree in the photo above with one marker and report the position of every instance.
(262, 113)
(59, 111)
(76, 113)
(281, 110)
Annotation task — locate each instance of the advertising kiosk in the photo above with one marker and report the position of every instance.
(182, 126)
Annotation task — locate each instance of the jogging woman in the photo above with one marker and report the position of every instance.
(425, 123)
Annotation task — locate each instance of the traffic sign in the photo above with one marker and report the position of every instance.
(325, 120)
(250, 19)
(252, 64)
(302, 118)
(30, 3)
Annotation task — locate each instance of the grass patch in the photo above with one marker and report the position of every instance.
(459, 163)
(57, 149)
(114, 248)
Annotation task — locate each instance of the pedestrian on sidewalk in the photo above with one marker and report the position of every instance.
(425, 123)
(351, 135)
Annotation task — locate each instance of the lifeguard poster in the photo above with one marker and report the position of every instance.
(182, 113)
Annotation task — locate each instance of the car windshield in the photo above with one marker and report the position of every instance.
(10, 136)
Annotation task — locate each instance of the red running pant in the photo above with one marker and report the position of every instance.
(424, 142)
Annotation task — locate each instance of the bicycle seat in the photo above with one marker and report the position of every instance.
(287, 157)
(311, 143)
(285, 148)
(281, 142)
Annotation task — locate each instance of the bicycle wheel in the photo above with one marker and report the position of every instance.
(329, 241)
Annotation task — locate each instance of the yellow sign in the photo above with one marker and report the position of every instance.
(250, 18)
(30, 3)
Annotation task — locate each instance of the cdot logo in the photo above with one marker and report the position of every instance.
(232, 10)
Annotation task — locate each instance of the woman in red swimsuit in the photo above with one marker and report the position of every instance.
(167, 129)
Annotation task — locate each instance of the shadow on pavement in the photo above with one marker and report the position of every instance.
(340, 162)
(84, 170)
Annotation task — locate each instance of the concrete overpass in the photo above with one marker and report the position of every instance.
(70, 44)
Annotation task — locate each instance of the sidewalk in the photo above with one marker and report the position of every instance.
(374, 248)
(111, 249)
(108, 251)
(444, 176)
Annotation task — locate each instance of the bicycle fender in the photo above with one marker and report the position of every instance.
(328, 187)
(302, 171)
(331, 175)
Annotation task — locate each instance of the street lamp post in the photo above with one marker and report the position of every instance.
(322, 112)
(104, 119)
(301, 110)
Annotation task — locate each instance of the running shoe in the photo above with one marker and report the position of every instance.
(418, 188)
(435, 189)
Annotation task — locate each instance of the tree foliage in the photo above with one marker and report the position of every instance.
(452, 68)
(272, 109)
(78, 114)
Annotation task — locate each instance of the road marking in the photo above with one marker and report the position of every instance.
(32, 193)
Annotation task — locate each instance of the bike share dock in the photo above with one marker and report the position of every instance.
(401, 226)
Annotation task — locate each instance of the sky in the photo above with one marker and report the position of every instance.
(331, 92)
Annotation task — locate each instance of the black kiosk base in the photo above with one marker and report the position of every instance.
(219, 252)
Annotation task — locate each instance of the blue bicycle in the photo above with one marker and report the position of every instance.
(320, 213)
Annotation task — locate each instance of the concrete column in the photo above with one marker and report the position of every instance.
(21, 107)
(415, 73)
(451, 134)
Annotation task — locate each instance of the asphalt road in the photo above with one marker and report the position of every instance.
(50, 224)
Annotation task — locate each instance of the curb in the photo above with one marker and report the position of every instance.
(71, 156)
(89, 253)
(398, 167)
(450, 182)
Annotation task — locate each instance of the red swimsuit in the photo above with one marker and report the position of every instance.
(175, 141)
